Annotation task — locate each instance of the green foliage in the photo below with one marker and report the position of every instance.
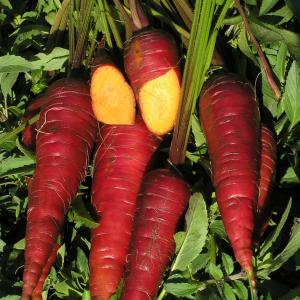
(34, 50)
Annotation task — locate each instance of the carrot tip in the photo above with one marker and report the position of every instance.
(252, 282)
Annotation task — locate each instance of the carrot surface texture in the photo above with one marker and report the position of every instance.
(113, 99)
(230, 119)
(29, 132)
(267, 178)
(151, 62)
(66, 133)
(123, 156)
(162, 201)
(37, 293)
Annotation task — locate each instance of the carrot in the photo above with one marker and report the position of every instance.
(66, 133)
(161, 202)
(37, 293)
(151, 62)
(123, 156)
(113, 100)
(29, 132)
(267, 178)
(230, 119)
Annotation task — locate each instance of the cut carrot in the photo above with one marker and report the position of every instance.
(113, 100)
(161, 94)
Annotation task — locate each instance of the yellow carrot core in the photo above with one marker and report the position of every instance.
(112, 97)
(159, 101)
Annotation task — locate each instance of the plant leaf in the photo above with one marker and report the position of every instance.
(240, 290)
(227, 263)
(291, 248)
(266, 6)
(272, 239)
(215, 271)
(291, 95)
(181, 287)
(228, 292)
(196, 232)
(12, 165)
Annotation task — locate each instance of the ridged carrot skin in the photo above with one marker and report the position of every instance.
(37, 293)
(29, 132)
(148, 55)
(267, 178)
(230, 119)
(152, 65)
(123, 156)
(66, 133)
(162, 201)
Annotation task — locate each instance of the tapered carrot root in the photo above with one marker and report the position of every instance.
(123, 156)
(112, 97)
(37, 293)
(230, 119)
(65, 137)
(267, 177)
(161, 202)
(151, 62)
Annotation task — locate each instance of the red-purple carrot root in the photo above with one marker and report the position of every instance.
(29, 133)
(162, 201)
(230, 119)
(152, 64)
(66, 133)
(37, 293)
(123, 156)
(267, 178)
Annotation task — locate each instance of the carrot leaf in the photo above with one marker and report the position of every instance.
(199, 55)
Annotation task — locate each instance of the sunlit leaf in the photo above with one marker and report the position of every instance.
(291, 95)
(196, 232)
(266, 6)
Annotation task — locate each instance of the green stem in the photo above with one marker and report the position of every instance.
(55, 26)
(19, 129)
(184, 33)
(113, 26)
(162, 294)
(129, 25)
(94, 41)
(185, 12)
(213, 249)
(252, 284)
(238, 276)
(200, 51)
(233, 20)
(71, 34)
(266, 66)
(78, 55)
(105, 27)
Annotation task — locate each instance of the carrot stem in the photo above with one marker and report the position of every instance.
(139, 18)
(261, 55)
(252, 283)
(78, 55)
(129, 25)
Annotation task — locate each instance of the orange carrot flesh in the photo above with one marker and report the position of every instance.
(230, 119)
(66, 132)
(162, 200)
(123, 156)
(151, 62)
(113, 99)
(267, 177)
